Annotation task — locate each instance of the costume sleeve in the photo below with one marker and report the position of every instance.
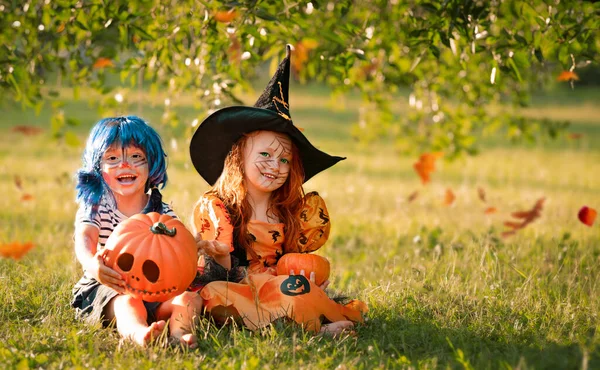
(167, 210)
(212, 221)
(314, 223)
(83, 217)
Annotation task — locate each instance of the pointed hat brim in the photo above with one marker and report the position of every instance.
(215, 137)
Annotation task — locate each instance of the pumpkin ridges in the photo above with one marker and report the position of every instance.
(307, 262)
(171, 254)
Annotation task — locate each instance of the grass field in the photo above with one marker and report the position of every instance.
(444, 289)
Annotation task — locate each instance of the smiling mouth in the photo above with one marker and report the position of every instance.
(269, 176)
(126, 179)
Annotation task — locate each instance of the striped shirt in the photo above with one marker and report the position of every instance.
(107, 218)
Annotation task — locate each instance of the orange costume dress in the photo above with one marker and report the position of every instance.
(262, 296)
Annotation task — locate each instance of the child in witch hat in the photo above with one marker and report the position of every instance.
(256, 159)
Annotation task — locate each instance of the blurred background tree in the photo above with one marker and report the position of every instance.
(459, 59)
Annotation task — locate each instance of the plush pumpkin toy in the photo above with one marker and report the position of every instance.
(155, 254)
(307, 262)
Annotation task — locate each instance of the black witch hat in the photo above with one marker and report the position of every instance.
(215, 137)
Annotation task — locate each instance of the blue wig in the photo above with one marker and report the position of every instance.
(123, 131)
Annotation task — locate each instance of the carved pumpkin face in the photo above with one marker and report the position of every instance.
(307, 262)
(155, 254)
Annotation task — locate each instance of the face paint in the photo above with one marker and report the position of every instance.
(125, 170)
(132, 156)
(267, 159)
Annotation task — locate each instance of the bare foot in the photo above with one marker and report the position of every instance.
(336, 328)
(149, 334)
(188, 340)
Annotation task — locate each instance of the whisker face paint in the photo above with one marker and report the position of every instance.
(267, 161)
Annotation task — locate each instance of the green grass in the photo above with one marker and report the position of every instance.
(444, 289)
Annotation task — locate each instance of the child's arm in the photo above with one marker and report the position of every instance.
(314, 224)
(86, 241)
(214, 232)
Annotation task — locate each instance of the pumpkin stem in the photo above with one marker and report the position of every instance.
(160, 228)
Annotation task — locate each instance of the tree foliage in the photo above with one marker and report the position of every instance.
(459, 58)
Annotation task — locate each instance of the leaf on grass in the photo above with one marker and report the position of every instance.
(567, 76)
(449, 197)
(225, 16)
(412, 196)
(587, 215)
(18, 182)
(26, 197)
(490, 210)
(103, 63)
(575, 136)
(426, 165)
(27, 130)
(15, 250)
(481, 193)
(525, 218)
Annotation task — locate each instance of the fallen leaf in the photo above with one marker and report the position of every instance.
(490, 210)
(26, 197)
(481, 194)
(15, 250)
(526, 217)
(575, 136)
(225, 16)
(60, 28)
(18, 182)
(103, 63)
(27, 130)
(449, 197)
(587, 215)
(567, 76)
(426, 165)
(412, 196)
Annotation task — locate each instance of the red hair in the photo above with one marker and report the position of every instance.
(286, 202)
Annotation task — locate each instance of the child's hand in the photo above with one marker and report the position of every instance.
(312, 278)
(104, 274)
(212, 248)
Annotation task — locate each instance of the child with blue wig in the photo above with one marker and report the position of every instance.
(124, 165)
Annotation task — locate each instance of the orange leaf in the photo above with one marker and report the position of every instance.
(526, 217)
(426, 165)
(15, 250)
(18, 182)
(575, 136)
(103, 63)
(301, 50)
(490, 210)
(60, 28)
(449, 197)
(567, 76)
(135, 39)
(26, 197)
(27, 130)
(481, 194)
(224, 16)
(235, 50)
(413, 196)
(587, 215)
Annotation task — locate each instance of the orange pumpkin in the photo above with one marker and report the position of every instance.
(155, 254)
(307, 262)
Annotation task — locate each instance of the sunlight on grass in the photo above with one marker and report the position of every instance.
(444, 288)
